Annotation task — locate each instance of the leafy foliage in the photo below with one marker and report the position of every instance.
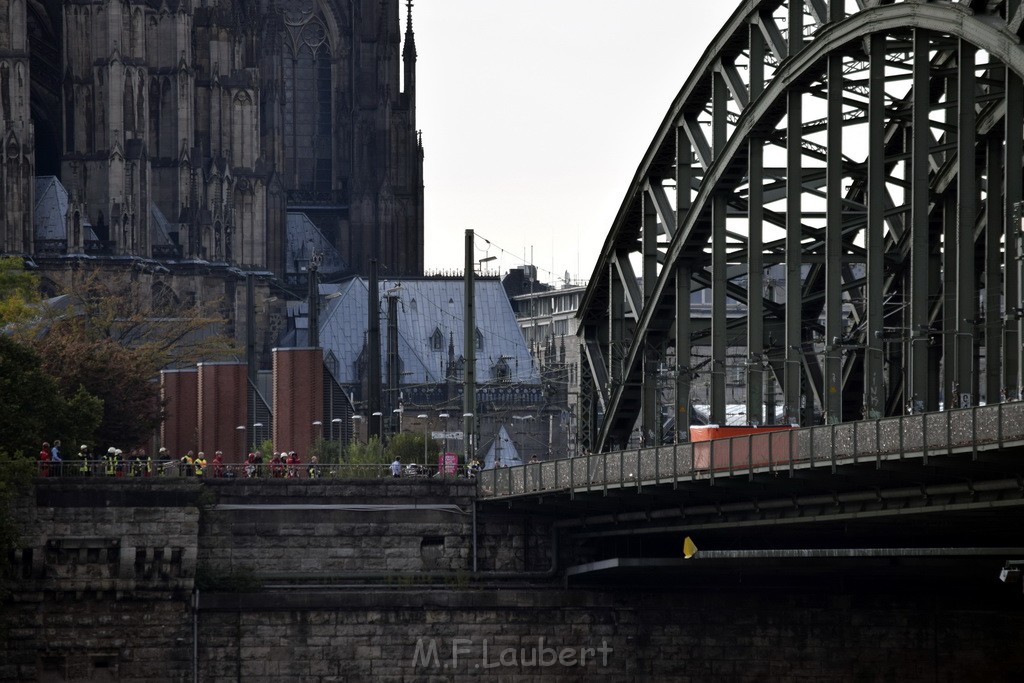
(119, 377)
(19, 291)
(118, 307)
(15, 473)
(409, 447)
(32, 403)
(371, 453)
(111, 336)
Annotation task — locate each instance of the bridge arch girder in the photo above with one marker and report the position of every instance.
(831, 161)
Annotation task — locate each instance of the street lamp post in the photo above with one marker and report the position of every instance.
(467, 437)
(337, 421)
(380, 423)
(399, 411)
(355, 418)
(255, 433)
(318, 426)
(241, 432)
(426, 426)
(445, 417)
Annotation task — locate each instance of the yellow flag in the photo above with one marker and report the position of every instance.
(689, 548)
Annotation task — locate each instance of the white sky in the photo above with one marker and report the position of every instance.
(535, 116)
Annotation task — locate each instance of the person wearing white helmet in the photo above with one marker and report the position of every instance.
(121, 466)
(277, 465)
(84, 464)
(110, 462)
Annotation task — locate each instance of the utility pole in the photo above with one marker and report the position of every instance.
(250, 354)
(373, 406)
(314, 298)
(469, 353)
(394, 400)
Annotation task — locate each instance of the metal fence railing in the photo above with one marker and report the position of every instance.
(921, 436)
(174, 469)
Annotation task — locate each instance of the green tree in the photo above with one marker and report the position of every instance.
(32, 404)
(19, 291)
(112, 335)
(15, 473)
(409, 447)
(371, 453)
(121, 378)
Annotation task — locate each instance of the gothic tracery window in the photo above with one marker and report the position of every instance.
(307, 98)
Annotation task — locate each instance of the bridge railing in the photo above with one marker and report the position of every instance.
(174, 469)
(922, 436)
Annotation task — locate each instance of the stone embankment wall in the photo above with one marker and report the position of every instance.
(103, 581)
(357, 581)
(322, 530)
(531, 633)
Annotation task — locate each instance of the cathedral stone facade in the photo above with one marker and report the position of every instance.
(204, 140)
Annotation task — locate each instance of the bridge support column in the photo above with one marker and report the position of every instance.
(756, 362)
(684, 374)
(835, 334)
(874, 384)
(919, 396)
(965, 393)
(1013, 266)
(793, 364)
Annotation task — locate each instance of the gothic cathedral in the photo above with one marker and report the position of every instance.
(208, 140)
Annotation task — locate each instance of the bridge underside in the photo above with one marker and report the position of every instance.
(938, 492)
(835, 192)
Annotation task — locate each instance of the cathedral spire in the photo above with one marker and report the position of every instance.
(409, 62)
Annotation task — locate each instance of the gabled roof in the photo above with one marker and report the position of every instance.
(160, 227)
(303, 238)
(502, 448)
(51, 210)
(424, 306)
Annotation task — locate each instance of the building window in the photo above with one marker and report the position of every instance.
(501, 371)
(437, 340)
(479, 340)
(307, 106)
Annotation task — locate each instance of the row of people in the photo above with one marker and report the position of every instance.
(137, 463)
(281, 465)
(114, 463)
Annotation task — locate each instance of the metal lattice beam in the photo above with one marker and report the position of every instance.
(845, 185)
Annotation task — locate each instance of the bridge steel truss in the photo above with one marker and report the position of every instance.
(871, 152)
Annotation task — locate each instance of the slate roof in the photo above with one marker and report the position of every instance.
(426, 307)
(302, 238)
(504, 448)
(51, 210)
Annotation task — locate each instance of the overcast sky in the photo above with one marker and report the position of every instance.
(535, 115)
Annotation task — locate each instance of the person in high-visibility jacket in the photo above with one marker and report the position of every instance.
(110, 462)
(84, 465)
(199, 464)
(186, 464)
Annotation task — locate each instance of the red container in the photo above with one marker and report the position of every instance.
(728, 448)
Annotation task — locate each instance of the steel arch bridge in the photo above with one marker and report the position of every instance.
(843, 179)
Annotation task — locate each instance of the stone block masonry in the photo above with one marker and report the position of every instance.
(373, 581)
(537, 632)
(334, 530)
